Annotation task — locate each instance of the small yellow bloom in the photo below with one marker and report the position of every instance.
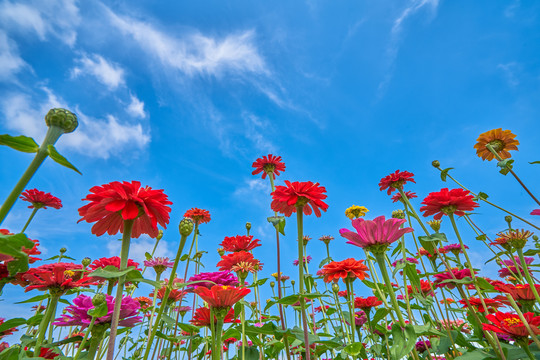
(356, 211)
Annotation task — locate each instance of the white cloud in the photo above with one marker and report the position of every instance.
(136, 107)
(195, 53)
(100, 138)
(58, 18)
(256, 131)
(10, 61)
(509, 71)
(139, 247)
(107, 73)
(395, 36)
(255, 191)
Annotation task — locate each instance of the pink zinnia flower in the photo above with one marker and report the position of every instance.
(408, 194)
(306, 259)
(159, 264)
(510, 269)
(535, 212)
(78, 312)
(209, 279)
(378, 231)
(458, 274)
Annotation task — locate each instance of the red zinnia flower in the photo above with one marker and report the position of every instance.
(240, 243)
(174, 296)
(348, 269)
(32, 251)
(111, 204)
(476, 303)
(408, 194)
(219, 296)
(511, 324)
(445, 202)
(395, 181)
(425, 288)
(366, 304)
(448, 278)
(518, 292)
(310, 195)
(40, 199)
(201, 317)
(239, 259)
(58, 277)
(199, 216)
(103, 262)
(268, 164)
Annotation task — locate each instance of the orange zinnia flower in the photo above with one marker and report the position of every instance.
(500, 140)
(221, 296)
(346, 269)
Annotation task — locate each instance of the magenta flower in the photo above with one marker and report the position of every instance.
(448, 277)
(224, 278)
(535, 212)
(510, 269)
(306, 259)
(378, 231)
(409, 259)
(455, 248)
(159, 264)
(78, 312)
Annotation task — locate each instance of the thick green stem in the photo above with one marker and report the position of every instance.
(300, 224)
(527, 274)
(380, 261)
(51, 307)
(124, 254)
(94, 344)
(83, 343)
(30, 219)
(163, 305)
(51, 137)
(350, 301)
(216, 354)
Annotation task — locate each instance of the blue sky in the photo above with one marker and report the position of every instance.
(184, 96)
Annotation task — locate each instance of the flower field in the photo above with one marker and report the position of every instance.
(422, 295)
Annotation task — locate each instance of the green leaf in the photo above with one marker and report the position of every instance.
(11, 323)
(34, 299)
(289, 300)
(354, 348)
(379, 314)
(325, 261)
(534, 162)
(444, 173)
(99, 311)
(475, 355)
(20, 143)
(404, 340)
(55, 155)
(278, 222)
(12, 245)
(251, 353)
(482, 237)
(111, 272)
(505, 165)
(34, 320)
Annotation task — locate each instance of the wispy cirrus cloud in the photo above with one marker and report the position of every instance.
(10, 60)
(106, 72)
(57, 18)
(395, 36)
(95, 137)
(194, 53)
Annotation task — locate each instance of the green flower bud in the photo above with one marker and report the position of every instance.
(248, 226)
(293, 282)
(272, 284)
(63, 250)
(335, 287)
(99, 299)
(62, 118)
(436, 164)
(221, 252)
(535, 238)
(86, 261)
(186, 226)
(159, 235)
(398, 214)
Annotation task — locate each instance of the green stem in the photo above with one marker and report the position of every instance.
(51, 307)
(216, 355)
(527, 274)
(51, 137)
(300, 224)
(83, 343)
(94, 344)
(124, 254)
(380, 261)
(350, 301)
(30, 219)
(163, 305)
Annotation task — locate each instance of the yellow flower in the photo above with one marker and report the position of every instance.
(500, 140)
(356, 211)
